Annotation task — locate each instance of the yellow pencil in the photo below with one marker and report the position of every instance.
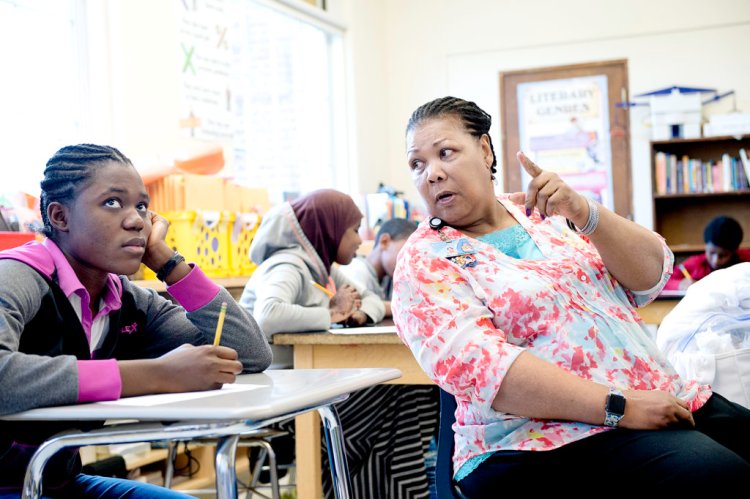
(323, 289)
(686, 273)
(220, 324)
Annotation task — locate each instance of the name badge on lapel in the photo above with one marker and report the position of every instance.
(460, 252)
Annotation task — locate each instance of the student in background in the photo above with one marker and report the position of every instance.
(296, 288)
(74, 329)
(722, 236)
(375, 270)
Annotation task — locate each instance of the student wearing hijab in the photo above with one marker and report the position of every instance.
(298, 287)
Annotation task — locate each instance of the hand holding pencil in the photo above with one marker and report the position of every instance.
(327, 291)
(686, 273)
(344, 303)
(220, 324)
(688, 280)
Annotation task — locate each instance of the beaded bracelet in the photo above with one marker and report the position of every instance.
(168, 267)
(591, 224)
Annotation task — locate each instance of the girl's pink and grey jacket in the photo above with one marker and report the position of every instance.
(53, 352)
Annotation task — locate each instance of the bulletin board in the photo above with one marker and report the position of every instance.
(565, 119)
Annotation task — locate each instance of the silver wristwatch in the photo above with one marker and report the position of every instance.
(615, 407)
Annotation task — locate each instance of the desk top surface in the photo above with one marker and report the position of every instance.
(276, 393)
(326, 338)
(347, 336)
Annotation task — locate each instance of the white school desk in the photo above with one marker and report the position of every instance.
(326, 350)
(226, 415)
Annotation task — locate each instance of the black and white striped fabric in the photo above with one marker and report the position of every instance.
(387, 431)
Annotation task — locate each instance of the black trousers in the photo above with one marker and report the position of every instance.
(715, 456)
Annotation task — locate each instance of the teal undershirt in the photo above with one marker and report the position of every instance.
(516, 243)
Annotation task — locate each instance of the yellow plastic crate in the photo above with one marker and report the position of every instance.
(203, 237)
(245, 226)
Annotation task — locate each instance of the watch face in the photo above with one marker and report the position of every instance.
(616, 404)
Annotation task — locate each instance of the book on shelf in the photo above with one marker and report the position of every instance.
(661, 172)
(726, 172)
(682, 174)
(672, 179)
(745, 163)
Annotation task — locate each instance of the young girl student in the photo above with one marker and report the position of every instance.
(74, 329)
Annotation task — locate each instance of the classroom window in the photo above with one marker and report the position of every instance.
(40, 88)
(289, 101)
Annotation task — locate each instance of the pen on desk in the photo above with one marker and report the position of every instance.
(323, 289)
(686, 273)
(220, 324)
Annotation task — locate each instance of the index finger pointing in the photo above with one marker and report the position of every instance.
(528, 165)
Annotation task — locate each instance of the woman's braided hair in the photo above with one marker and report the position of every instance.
(476, 121)
(68, 169)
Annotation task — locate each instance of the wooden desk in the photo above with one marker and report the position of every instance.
(654, 312)
(224, 414)
(312, 350)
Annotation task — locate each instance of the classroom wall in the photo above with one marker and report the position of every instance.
(368, 94)
(144, 67)
(442, 47)
(401, 54)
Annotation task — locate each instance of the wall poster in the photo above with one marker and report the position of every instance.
(565, 119)
(564, 127)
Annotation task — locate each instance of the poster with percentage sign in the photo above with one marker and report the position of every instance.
(205, 57)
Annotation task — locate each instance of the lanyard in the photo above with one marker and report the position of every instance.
(436, 223)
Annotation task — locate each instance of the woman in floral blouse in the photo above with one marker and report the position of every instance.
(523, 307)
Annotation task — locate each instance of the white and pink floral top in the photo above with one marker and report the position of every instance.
(467, 311)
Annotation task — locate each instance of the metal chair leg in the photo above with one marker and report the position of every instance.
(257, 467)
(334, 434)
(265, 452)
(226, 475)
(169, 470)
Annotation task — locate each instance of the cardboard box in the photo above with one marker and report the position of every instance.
(727, 124)
(677, 115)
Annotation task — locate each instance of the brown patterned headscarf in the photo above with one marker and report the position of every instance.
(324, 216)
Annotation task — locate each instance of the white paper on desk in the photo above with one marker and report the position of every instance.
(364, 330)
(168, 398)
(673, 293)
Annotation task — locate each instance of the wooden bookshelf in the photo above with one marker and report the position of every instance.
(681, 217)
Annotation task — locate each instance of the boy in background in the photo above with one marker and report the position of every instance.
(375, 270)
(723, 236)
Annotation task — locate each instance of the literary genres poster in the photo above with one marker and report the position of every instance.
(564, 127)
